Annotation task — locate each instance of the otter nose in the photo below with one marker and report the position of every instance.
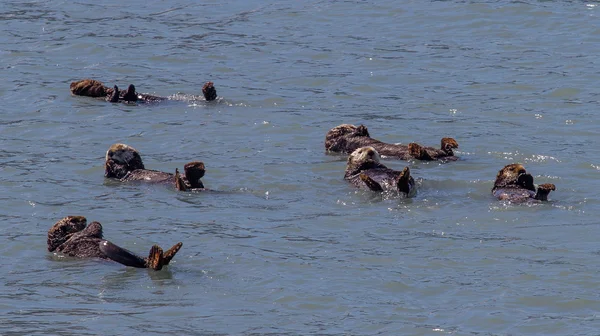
(522, 171)
(371, 152)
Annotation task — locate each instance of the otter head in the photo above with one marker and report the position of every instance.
(121, 159)
(63, 230)
(194, 171)
(209, 91)
(347, 129)
(363, 155)
(88, 87)
(335, 137)
(509, 176)
(448, 144)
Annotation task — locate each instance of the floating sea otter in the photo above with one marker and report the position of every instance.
(515, 185)
(124, 162)
(95, 88)
(71, 237)
(364, 171)
(346, 138)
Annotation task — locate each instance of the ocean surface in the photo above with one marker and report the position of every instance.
(283, 245)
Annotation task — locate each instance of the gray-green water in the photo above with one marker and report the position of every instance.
(288, 247)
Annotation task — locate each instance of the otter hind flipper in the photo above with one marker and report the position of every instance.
(172, 252)
(404, 182)
(543, 190)
(369, 182)
(155, 259)
(121, 255)
(114, 97)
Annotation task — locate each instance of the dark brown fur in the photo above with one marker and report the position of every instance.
(365, 171)
(71, 237)
(125, 163)
(95, 88)
(347, 138)
(514, 184)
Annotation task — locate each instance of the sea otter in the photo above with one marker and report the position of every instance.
(365, 171)
(514, 184)
(95, 88)
(124, 162)
(70, 236)
(346, 138)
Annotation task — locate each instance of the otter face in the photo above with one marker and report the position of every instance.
(362, 155)
(121, 159)
(64, 229)
(448, 144)
(209, 91)
(509, 175)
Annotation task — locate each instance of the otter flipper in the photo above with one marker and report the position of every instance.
(114, 97)
(121, 255)
(155, 259)
(372, 184)
(404, 183)
(130, 95)
(179, 184)
(543, 190)
(171, 252)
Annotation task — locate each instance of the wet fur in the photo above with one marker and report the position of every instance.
(94, 88)
(71, 236)
(366, 172)
(346, 138)
(124, 162)
(514, 184)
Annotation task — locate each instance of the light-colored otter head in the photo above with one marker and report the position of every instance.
(332, 138)
(448, 144)
(509, 175)
(121, 159)
(346, 129)
(362, 155)
(63, 230)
